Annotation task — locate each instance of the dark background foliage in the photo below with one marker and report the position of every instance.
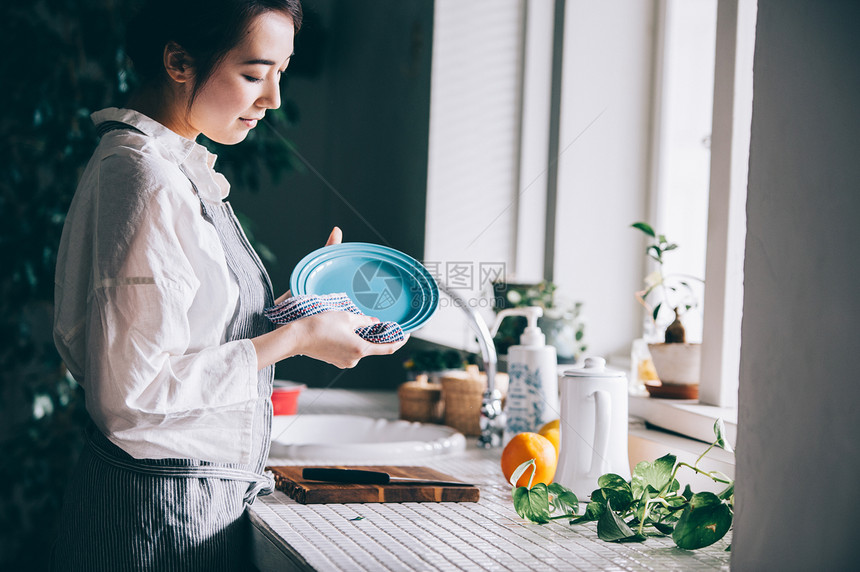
(62, 60)
(361, 79)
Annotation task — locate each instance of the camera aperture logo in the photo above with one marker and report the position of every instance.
(377, 286)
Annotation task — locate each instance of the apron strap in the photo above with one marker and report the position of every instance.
(108, 126)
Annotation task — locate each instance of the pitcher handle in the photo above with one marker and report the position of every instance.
(602, 417)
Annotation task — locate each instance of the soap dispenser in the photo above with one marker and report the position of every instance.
(532, 398)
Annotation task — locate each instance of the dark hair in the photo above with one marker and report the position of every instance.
(205, 29)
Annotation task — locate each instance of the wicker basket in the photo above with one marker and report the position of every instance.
(421, 401)
(462, 393)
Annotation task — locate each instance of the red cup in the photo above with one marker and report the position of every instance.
(285, 397)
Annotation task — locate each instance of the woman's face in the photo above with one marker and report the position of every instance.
(246, 82)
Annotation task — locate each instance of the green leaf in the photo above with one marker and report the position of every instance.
(603, 495)
(593, 511)
(532, 504)
(656, 474)
(728, 493)
(612, 481)
(515, 477)
(658, 254)
(703, 522)
(663, 528)
(677, 501)
(720, 432)
(612, 529)
(656, 311)
(688, 493)
(615, 489)
(562, 499)
(645, 227)
(642, 504)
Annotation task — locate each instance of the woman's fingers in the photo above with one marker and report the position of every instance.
(283, 297)
(362, 321)
(389, 348)
(335, 237)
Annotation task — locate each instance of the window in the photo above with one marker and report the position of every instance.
(683, 109)
(625, 145)
(473, 163)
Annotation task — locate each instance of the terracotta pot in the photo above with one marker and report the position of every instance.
(677, 364)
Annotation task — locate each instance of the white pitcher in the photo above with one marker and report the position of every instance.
(593, 427)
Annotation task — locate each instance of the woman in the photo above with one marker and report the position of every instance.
(159, 301)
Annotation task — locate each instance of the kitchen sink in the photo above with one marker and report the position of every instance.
(359, 439)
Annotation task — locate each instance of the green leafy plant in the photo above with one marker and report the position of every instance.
(425, 361)
(673, 291)
(652, 503)
(561, 321)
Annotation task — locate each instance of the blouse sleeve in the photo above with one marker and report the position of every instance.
(161, 380)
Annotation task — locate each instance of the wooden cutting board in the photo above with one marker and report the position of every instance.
(289, 480)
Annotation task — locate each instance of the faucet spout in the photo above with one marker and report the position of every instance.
(492, 417)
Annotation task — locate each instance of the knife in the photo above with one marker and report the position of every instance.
(363, 477)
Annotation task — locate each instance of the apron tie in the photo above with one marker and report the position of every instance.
(259, 483)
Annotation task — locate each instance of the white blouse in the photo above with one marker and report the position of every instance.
(143, 298)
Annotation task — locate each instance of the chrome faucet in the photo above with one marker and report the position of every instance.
(492, 416)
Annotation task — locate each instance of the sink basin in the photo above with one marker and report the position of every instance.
(353, 438)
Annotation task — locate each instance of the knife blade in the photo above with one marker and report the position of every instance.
(365, 477)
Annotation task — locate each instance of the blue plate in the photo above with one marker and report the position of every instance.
(382, 282)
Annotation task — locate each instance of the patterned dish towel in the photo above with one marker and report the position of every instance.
(297, 307)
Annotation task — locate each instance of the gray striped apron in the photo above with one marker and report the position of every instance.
(122, 513)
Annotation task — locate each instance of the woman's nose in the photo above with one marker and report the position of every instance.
(271, 98)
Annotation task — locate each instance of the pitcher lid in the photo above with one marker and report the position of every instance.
(594, 367)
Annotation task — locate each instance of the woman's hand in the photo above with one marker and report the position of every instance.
(331, 337)
(328, 337)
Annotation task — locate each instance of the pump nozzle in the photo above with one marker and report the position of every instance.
(532, 335)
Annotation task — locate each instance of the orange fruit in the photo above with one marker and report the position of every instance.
(524, 447)
(553, 435)
(554, 424)
(552, 431)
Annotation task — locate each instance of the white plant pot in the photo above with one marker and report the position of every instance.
(677, 364)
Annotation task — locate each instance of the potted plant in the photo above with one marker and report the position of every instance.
(561, 322)
(433, 363)
(676, 361)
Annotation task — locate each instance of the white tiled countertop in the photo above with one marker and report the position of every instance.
(487, 535)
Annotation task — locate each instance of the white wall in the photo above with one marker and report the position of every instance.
(603, 170)
(798, 455)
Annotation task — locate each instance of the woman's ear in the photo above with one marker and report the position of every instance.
(177, 63)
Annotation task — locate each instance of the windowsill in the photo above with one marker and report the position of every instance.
(685, 417)
(684, 428)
